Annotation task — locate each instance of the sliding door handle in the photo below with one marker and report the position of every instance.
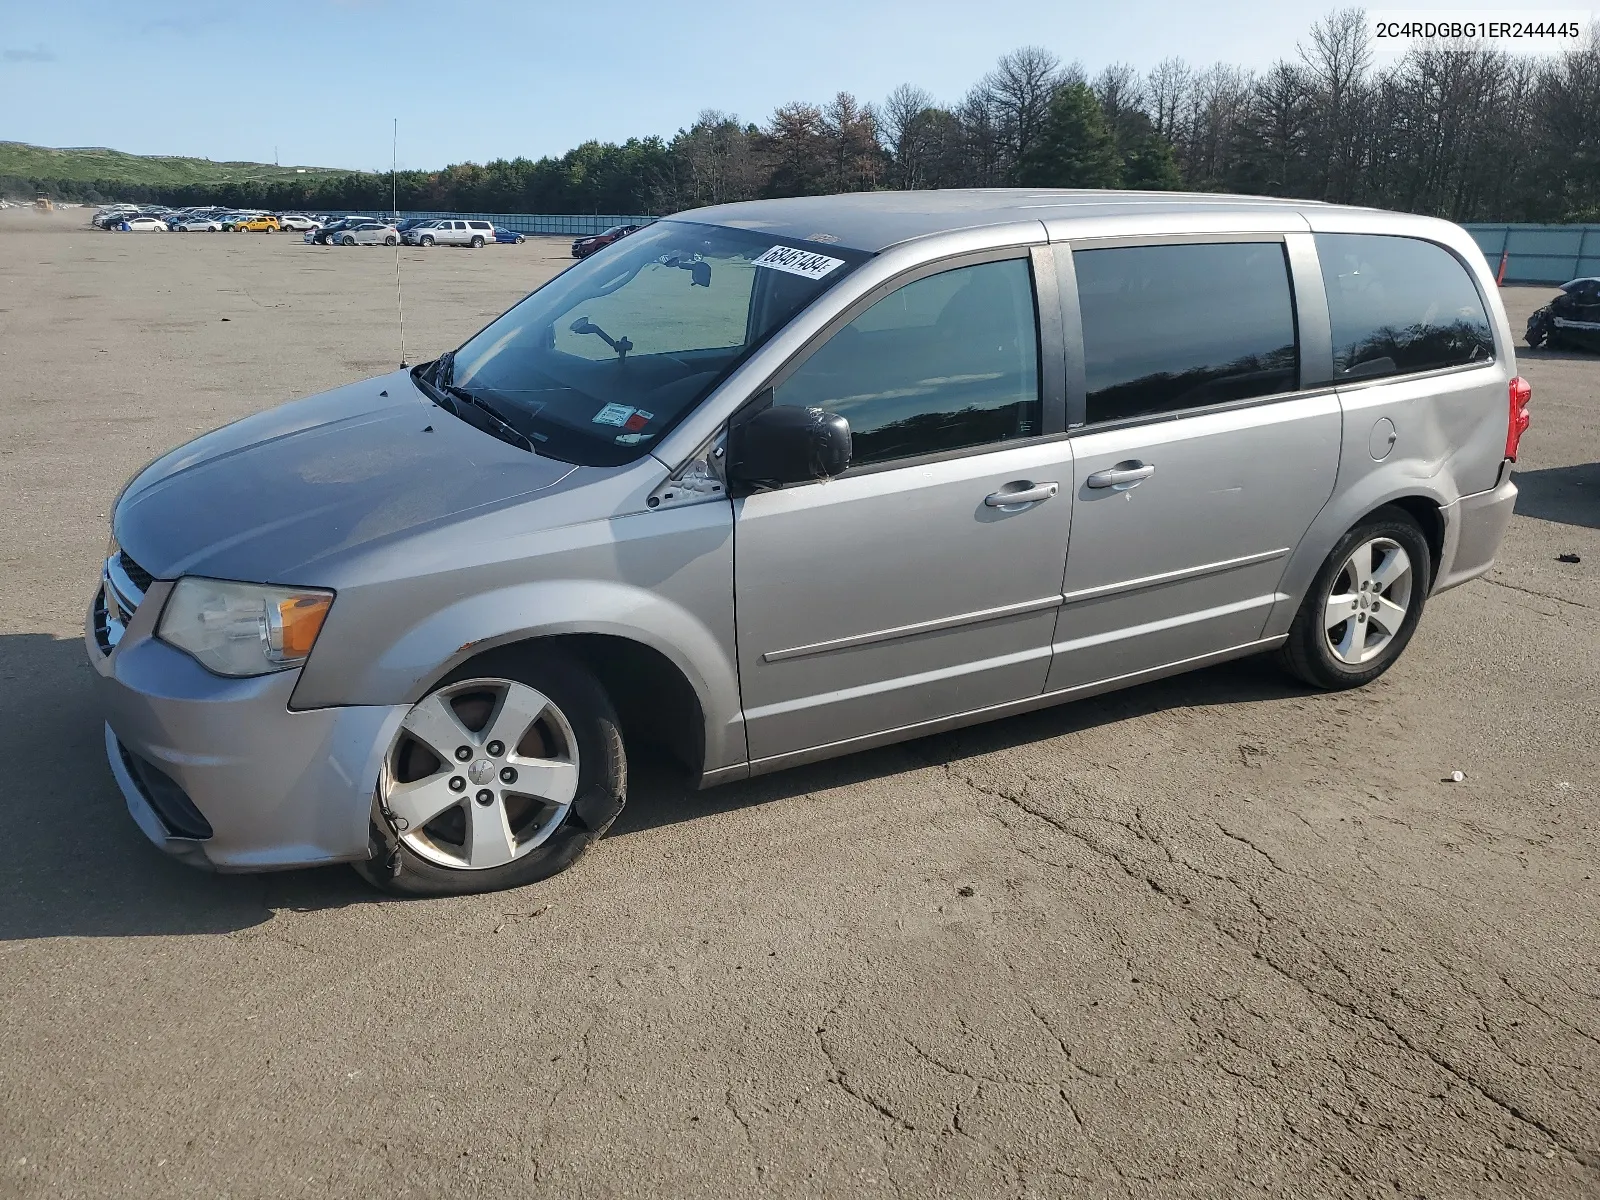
(1021, 493)
(1124, 475)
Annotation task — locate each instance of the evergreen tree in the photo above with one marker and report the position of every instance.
(1074, 147)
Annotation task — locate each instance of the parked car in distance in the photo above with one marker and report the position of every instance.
(981, 452)
(451, 232)
(296, 223)
(142, 225)
(256, 223)
(508, 235)
(368, 233)
(1571, 319)
(586, 246)
(195, 224)
(327, 234)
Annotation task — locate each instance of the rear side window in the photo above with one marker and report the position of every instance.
(946, 362)
(1399, 304)
(1167, 328)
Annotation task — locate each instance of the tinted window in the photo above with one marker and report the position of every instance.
(943, 363)
(1174, 327)
(1399, 304)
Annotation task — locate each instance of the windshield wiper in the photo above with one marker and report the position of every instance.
(451, 397)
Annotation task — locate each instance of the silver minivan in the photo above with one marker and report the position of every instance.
(770, 482)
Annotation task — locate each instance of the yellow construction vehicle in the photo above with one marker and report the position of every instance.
(43, 204)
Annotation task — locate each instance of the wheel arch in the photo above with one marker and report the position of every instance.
(655, 701)
(646, 650)
(1342, 514)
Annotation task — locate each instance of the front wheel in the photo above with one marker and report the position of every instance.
(501, 776)
(424, 241)
(1363, 606)
(347, 240)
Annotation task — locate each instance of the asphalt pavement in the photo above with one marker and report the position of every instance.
(1211, 936)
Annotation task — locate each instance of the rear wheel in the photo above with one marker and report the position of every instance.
(1363, 606)
(477, 243)
(391, 240)
(501, 776)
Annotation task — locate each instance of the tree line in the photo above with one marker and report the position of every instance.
(1468, 135)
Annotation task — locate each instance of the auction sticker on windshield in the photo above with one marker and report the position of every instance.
(613, 414)
(798, 262)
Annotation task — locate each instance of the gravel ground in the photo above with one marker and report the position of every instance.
(1211, 936)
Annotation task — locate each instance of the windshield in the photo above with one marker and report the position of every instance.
(594, 367)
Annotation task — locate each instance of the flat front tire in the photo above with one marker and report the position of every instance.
(1362, 608)
(503, 775)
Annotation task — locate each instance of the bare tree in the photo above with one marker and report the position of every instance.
(1119, 89)
(1018, 92)
(1166, 94)
(1337, 58)
(904, 126)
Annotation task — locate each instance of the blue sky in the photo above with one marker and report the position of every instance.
(320, 80)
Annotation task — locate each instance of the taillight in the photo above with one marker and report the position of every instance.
(1521, 393)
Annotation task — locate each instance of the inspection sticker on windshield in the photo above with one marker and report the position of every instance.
(613, 414)
(798, 262)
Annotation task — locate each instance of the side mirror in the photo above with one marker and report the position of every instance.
(782, 444)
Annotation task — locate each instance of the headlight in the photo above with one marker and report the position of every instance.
(243, 628)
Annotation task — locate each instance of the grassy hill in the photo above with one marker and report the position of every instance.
(84, 164)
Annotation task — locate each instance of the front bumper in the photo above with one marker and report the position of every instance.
(272, 788)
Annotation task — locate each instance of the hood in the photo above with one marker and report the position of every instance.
(278, 495)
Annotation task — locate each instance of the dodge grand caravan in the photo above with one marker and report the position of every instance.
(774, 481)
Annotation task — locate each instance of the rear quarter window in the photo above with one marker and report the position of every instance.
(1399, 305)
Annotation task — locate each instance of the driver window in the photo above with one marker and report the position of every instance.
(946, 362)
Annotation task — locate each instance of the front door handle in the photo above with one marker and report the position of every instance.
(1017, 495)
(1124, 475)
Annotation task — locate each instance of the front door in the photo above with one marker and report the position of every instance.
(923, 582)
(1200, 464)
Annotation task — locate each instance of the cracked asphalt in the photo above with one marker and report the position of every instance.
(1211, 936)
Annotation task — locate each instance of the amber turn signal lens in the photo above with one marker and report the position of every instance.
(298, 621)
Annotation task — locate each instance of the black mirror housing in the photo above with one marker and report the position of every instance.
(781, 444)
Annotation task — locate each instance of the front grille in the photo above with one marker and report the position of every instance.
(170, 802)
(137, 575)
(107, 629)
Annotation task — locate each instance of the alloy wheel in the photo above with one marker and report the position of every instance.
(482, 773)
(1368, 602)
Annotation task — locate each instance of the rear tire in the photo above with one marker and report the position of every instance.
(477, 243)
(391, 240)
(1377, 579)
(545, 839)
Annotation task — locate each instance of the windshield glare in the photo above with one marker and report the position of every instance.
(604, 359)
